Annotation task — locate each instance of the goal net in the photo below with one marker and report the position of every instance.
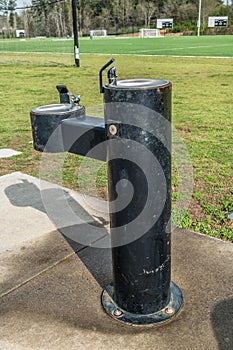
(149, 33)
(98, 33)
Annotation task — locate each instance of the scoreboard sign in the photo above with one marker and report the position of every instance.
(218, 22)
(165, 23)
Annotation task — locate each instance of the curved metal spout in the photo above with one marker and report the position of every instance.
(101, 74)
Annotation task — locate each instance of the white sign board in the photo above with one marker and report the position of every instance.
(165, 23)
(218, 21)
(20, 33)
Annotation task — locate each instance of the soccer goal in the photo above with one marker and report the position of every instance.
(149, 33)
(98, 33)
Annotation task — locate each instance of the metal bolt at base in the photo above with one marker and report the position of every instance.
(117, 313)
(169, 311)
(155, 319)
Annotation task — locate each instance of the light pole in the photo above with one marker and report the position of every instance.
(75, 32)
(199, 19)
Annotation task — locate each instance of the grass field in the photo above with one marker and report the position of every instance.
(217, 46)
(202, 115)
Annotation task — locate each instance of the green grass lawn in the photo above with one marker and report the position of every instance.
(202, 115)
(218, 46)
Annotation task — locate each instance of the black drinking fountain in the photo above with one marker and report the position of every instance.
(135, 139)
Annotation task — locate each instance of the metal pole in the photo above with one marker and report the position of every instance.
(199, 19)
(142, 292)
(75, 32)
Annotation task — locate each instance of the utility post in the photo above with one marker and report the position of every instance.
(199, 19)
(75, 32)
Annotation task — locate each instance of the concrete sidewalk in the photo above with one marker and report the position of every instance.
(51, 286)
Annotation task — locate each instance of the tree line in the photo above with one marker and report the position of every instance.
(53, 18)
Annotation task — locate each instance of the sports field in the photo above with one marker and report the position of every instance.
(202, 107)
(213, 46)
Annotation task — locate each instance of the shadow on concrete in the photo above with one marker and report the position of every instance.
(97, 260)
(222, 323)
(65, 294)
(25, 194)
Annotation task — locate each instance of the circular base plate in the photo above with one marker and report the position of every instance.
(157, 318)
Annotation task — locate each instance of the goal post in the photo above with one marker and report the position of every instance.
(98, 33)
(149, 33)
